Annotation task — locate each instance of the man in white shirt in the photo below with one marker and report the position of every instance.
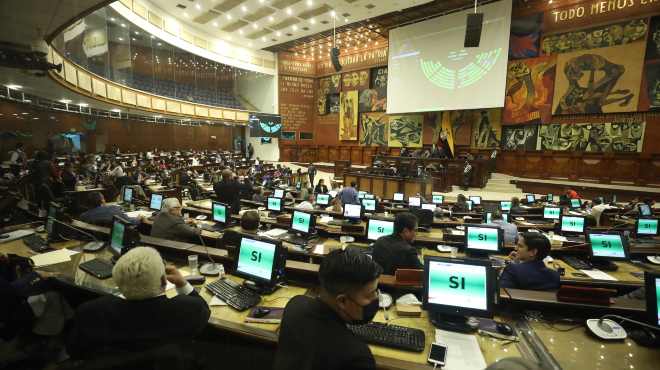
(307, 204)
(17, 156)
(598, 208)
(510, 229)
(117, 171)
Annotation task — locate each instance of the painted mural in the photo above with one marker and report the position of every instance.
(374, 129)
(617, 137)
(529, 90)
(406, 131)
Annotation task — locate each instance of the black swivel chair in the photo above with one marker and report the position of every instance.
(424, 219)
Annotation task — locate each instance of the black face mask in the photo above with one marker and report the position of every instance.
(368, 312)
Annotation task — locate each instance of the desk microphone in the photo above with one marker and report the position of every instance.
(209, 269)
(93, 246)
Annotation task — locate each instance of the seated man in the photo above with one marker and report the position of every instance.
(146, 318)
(510, 229)
(307, 203)
(250, 222)
(169, 223)
(461, 204)
(597, 209)
(528, 271)
(394, 251)
(516, 209)
(348, 294)
(102, 214)
(320, 187)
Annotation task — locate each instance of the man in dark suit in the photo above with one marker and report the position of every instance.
(146, 318)
(228, 191)
(311, 172)
(528, 271)
(394, 251)
(313, 334)
(169, 224)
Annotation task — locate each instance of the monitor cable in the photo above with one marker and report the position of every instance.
(212, 268)
(91, 246)
(600, 321)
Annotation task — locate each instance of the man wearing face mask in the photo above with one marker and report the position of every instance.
(313, 334)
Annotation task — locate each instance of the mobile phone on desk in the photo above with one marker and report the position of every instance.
(438, 354)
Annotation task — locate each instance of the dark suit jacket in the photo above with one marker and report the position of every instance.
(392, 253)
(171, 227)
(320, 189)
(229, 192)
(113, 324)
(314, 337)
(529, 275)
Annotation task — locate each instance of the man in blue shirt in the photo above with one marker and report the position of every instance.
(349, 195)
(102, 214)
(528, 271)
(510, 229)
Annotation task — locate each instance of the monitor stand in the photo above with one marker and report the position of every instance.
(455, 323)
(260, 288)
(604, 265)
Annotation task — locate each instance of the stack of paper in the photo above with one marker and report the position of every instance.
(52, 258)
(463, 350)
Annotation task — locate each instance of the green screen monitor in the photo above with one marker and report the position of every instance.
(378, 228)
(505, 206)
(652, 284)
(469, 204)
(414, 202)
(645, 210)
(259, 260)
(575, 203)
(369, 204)
(476, 200)
(361, 194)
(369, 196)
(572, 224)
(302, 222)
(488, 217)
(646, 227)
(438, 199)
(505, 217)
(55, 213)
(429, 206)
(551, 213)
(483, 239)
(127, 196)
(398, 197)
(274, 204)
(550, 198)
(156, 202)
(609, 246)
(323, 199)
(279, 193)
(117, 236)
(455, 288)
(353, 211)
(220, 212)
(531, 198)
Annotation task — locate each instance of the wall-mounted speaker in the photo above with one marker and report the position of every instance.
(334, 57)
(473, 31)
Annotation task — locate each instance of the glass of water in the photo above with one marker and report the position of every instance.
(193, 262)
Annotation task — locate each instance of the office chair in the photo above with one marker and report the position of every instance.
(168, 357)
(424, 219)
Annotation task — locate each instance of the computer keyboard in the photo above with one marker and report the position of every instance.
(36, 243)
(98, 268)
(212, 228)
(393, 336)
(577, 263)
(294, 239)
(234, 294)
(339, 222)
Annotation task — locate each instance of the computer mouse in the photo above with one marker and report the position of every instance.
(260, 312)
(4, 236)
(503, 328)
(644, 337)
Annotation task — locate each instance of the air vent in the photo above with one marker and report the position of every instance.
(370, 6)
(181, 6)
(289, 34)
(346, 15)
(235, 26)
(285, 23)
(281, 4)
(305, 28)
(227, 5)
(324, 22)
(260, 13)
(315, 12)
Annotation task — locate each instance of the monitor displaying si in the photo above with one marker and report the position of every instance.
(274, 204)
(117, 236)
(476, 200)
(646, 227)
(645, 210)
(369, 196)
(414, 201)
(257, 260)
(156, 202)
(505, 205)
(369, 204)
(551, 213)
(550, 198)
(469, 204)
(572, 224)
(127, 197)
(378, 228)
(652, 284)
(302, 222)
(458, 287)
(220, 212)
(576, 203)
(353, 211)
(531, 198)
(398, 197)
(483, 238)
(488, 217)
(323, 199)
(361, 194)
(438, 199)
(610, 246)
(429, 206)
(279, 193)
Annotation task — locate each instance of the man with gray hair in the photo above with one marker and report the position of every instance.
(145, 318)
(169, 223)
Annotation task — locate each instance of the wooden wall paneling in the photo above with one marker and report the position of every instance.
(649, 169)
(532, 165)
(391, 187)
(333, 154)
(323, 155)
(590, 169)
(378, 188)
(345, 153)
(410, 189)
(348, 179)
(561, 166)
(365, 184)
(356, 155)
(622, 170)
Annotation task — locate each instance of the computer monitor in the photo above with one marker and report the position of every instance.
(505, 205)
(378, 228)
(645, 210)
(531, 198)
(274, 204)
(323, 199)
(353, 211)
(369, 196)
(369, 204)
(398, 197)
(488, 217)
(156, 202)
(118, 236)
(505, 217)
(127, 196)
(333, 193)
(481, 239)
(52, 227)
(414, 202)
(302, 222)
(476, 200)
(550, 198)
(278, 193)
(575, 203)
(361, 194)
(572, 224)
(438, 199)
(551, 213)
(455, 288)
(220, 212)
(652, 284)
(646, 227)
(429, 206)
(260, 260)
(469, 204)
(607, 247)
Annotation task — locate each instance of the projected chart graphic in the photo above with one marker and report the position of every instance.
(458, 78)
